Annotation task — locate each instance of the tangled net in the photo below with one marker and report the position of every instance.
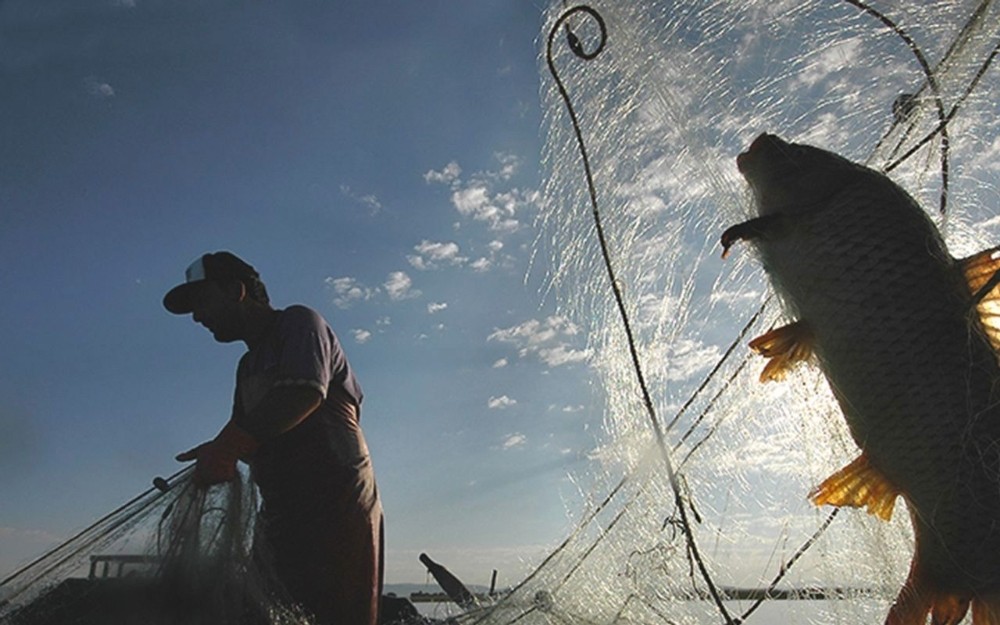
(698, 513)
(174, 555)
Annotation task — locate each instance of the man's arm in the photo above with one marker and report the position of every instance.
(281, 409)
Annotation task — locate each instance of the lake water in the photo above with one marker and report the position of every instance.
(769, 613)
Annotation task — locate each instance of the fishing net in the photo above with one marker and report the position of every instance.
(698, 512)
(175, 554)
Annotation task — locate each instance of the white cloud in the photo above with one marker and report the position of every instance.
(572, 409)
(509, 164)
(514, 440)
(98, 88)
(535, 332)
(448, 175)
(486, 263)
(399, 286)
(500, 403)
(431, 255)
(481, 265)
(500, 364)
(549, 340)
(348, 290)
(506, 225)
(435, 307)
(682, 359)
(562, 355)
(476, 201)
(989, 158)
(368, 200)
(830, 59)
(689, 358)
(510, 201)
(361, 336)
(484, 198)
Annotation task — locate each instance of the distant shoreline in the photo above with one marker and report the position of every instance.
(430, 593)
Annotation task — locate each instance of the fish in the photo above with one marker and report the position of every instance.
(907, 337)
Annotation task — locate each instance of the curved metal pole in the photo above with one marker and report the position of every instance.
(943, 118)
(577, 47)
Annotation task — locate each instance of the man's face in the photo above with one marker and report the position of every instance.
(217, 307)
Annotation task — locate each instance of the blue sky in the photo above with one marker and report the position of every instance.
(378, 161)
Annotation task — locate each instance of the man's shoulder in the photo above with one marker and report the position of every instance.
(301, 314)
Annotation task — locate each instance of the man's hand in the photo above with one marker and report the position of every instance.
(216, 459)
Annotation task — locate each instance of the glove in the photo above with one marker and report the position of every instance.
(216, 459)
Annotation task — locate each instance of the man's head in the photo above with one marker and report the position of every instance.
(219, 290)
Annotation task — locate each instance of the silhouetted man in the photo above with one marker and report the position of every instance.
(295, 420)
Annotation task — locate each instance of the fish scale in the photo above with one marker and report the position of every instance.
(887, 314)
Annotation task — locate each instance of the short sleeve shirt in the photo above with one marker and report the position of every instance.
(301, 350)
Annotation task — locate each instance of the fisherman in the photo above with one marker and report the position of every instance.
(295, 421)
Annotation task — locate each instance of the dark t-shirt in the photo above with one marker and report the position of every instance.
(321, 518)
(302, 350)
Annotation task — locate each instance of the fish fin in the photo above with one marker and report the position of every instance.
(982, 274)
(857, 485)
(783, 347)
(749, 230)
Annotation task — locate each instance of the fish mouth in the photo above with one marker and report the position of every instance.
(764, 145)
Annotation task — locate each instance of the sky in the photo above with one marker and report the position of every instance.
(382, 162)
(378, 161)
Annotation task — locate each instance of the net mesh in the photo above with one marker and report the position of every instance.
(664, 96)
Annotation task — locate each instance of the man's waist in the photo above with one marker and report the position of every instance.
(309, 483)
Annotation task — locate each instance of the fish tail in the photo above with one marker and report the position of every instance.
(917, 600)
(920, 597)
(949, 609)
(986, 610)
(911, 606)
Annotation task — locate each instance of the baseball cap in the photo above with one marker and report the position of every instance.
(217, 266)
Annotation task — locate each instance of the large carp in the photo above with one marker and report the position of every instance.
(906, 337)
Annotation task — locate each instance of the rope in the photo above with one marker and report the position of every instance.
(788, 565)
